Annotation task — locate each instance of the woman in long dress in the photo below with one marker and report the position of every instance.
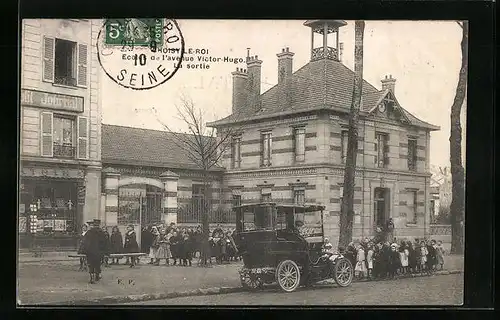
(164, 248)
(130, 245)
(116, 243)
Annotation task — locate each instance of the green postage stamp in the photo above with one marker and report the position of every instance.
(137, 32)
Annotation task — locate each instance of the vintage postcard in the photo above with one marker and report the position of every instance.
(241, 162)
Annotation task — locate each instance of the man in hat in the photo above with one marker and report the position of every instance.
(94, 248)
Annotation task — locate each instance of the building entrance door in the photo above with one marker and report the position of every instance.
(381, 206)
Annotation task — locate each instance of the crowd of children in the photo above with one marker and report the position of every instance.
(386, 260)
(171, 244)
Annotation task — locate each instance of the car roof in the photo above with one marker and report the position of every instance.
(283, 207)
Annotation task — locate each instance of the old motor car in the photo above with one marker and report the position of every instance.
(284, 244)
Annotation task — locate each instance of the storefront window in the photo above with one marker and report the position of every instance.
(53, 202)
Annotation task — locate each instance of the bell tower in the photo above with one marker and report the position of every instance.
(327, 28)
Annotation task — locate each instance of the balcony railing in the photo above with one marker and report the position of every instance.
(320, 53)
(65, 81)
(64, 150)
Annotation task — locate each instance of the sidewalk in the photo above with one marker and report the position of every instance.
(60, 282)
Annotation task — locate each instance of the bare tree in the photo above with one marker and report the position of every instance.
(457, 207)
(347, 206)
(204, 146)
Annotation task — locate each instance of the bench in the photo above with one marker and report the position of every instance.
(112, 255)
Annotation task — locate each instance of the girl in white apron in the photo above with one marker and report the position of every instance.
(360, 262)
(369, 260)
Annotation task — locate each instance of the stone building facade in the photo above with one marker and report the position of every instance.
(290, 142)
(60, 128)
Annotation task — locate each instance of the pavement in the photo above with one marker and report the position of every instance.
(433, 290)
(59, 282)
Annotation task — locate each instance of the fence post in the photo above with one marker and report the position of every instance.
(111, 177)
(169, 180)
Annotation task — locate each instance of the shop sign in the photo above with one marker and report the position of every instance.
(81, 195)
(53, 173)
(51, 100)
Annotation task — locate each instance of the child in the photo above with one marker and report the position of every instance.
(153, 249)
(403, 256)
(369, 260)
(423, 256)
(163, 251)
(116, 243)
(360, 262)
(83, 260)
(431, 256)
(394, 262)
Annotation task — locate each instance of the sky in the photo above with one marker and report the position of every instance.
(424, 57)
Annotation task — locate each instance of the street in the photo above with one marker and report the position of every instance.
(434, 290)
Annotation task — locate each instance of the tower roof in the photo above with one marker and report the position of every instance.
(314, 24)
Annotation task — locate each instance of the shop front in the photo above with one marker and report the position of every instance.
(50, 207)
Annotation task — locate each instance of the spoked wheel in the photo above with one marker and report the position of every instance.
(343, 272)
(288, 275)
(251, 282)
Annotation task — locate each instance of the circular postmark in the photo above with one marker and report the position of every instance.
(140, 54)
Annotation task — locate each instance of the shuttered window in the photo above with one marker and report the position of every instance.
(299, 144)
(47, 138)
(82, 65)
(48, 59)
(83, 138)
(344, 139)
(65, 62)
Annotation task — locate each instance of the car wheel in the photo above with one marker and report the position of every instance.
(288, 275)
(251, 282)
(343, 272)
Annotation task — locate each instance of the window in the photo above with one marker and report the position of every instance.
(236, 200)
(63, 135)
(412, 205)
(412, 154)
(382, 149)
(198, 196)
(299, 196)
(64, 62)
(343, 140)
(266, 141)
(236, 152)
(300, 144)
(266, 197)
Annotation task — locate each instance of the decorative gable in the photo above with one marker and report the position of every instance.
(388, 107)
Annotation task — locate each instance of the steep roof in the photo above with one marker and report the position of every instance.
(318, 84)
(146, 147)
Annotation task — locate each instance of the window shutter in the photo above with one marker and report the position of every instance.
(48, 59)
(270, 148)
(83, 138)
(47, 125)
(386, 148)
(82, 65)
(376, 146)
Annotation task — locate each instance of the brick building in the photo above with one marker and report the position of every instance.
(148, 178)
(292, 139)
(60, 126)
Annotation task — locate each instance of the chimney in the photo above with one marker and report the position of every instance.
(254, 66)
(240, 94)
(285, 70)
(389, 83)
